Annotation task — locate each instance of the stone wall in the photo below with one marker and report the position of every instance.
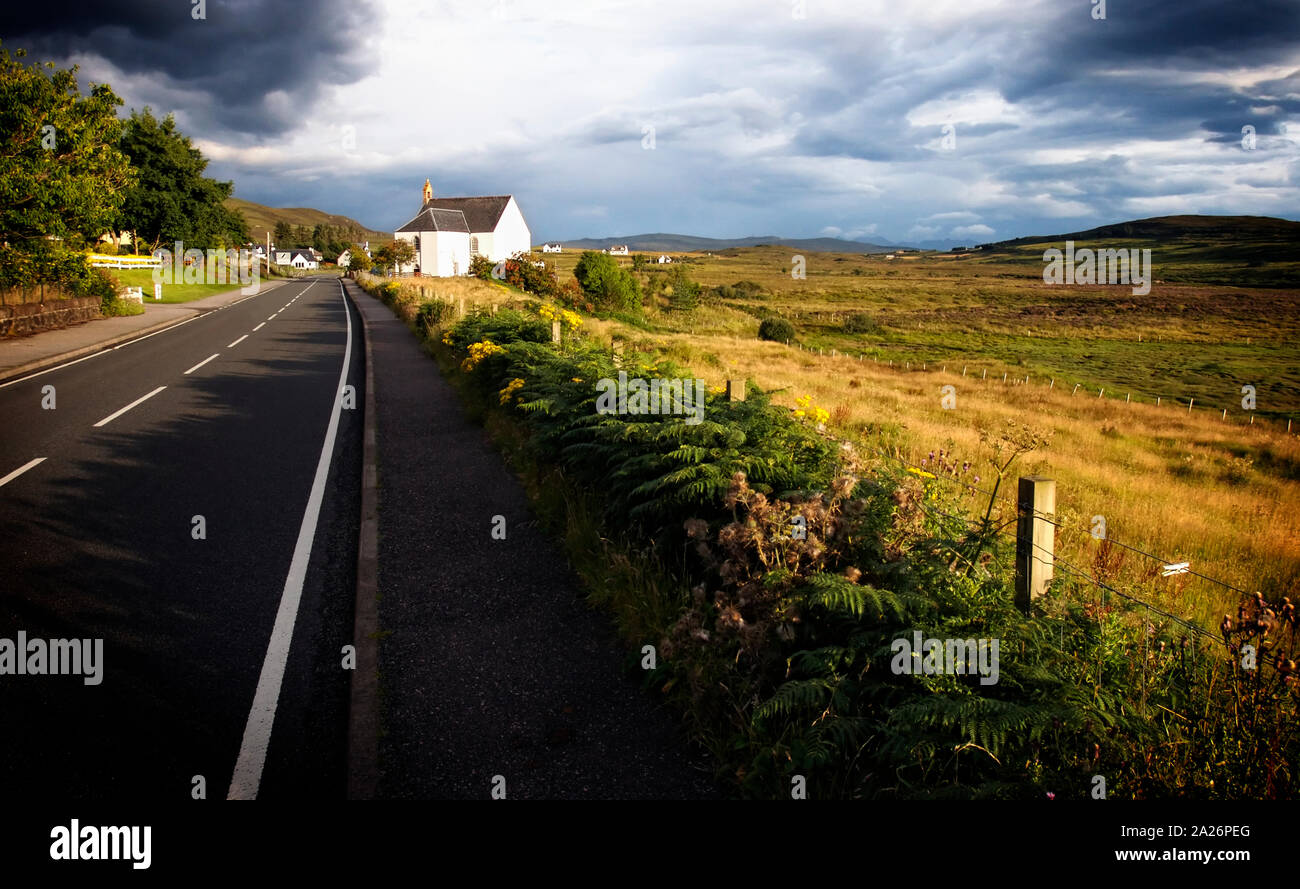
(33, 317)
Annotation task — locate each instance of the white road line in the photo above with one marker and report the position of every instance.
(272, 316)
(106, 349)
(156, 332)
(201, 363)
(237, 342)
(247, 777)
(20, 470)
(113, 416)
(259, 327)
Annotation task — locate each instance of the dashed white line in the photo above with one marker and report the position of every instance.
(201, 363)
(268, 319)
(237, 342)
(113, 416)
(259, 327)
(20, 470)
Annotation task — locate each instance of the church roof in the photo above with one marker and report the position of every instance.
(481, 214)
(431, 219)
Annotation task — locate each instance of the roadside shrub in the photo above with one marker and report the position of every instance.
(611, 287)
(778, 330)
(861, 322)
(432, 314)
(481, 267)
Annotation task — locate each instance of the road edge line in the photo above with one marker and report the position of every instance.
(363, 703)
(20, 372)
(246, 780)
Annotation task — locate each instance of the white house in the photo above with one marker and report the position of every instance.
(618, 250)
(448, 232)
(344, 258)
(552, 248)
(664, 259)
(282, 257)
(304, 259)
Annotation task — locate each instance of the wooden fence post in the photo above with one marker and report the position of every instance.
(1035, 538)
(555, 331)
(735, 390)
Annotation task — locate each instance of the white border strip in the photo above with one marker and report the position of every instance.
(113, 416)
(201, 363)
(19, 471)
(247, 777)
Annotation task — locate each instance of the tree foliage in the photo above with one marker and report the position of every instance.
(61, 172)
(610, 287)
(172, 199)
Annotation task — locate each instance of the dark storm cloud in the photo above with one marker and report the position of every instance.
(228, 61)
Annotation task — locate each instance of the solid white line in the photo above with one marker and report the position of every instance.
(201, 363)
(20, 470)
(259, 327)
(247, 777)
(237, 342)
(113, 416)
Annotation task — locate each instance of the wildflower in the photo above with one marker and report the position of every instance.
(576, 380)
(511, 388)
(920, 472)
(478, 352)
(1051, 795)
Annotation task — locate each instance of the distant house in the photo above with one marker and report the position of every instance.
(618, 250)
(665, 259)
(448, 232)
(304, 259)
(345, 258)
(282, 257)
(552, 248)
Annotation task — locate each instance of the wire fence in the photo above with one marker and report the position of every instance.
(983, 526)
(1182, 402)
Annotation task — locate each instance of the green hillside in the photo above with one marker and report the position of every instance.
(261, 219)
(1247, 251)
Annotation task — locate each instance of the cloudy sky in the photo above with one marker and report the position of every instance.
(937, 119)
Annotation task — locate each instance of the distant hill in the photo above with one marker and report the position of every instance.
(690, 243)
(261, 219)
(1224, 229)
(1245, 251)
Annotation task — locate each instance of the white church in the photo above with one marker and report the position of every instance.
(447, 232)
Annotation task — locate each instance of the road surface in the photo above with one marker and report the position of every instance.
(210, 655)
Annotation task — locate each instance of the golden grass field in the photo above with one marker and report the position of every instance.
(1219, 493)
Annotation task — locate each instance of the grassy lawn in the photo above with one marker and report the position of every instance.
(171, 293)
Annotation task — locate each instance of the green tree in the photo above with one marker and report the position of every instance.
(610, 286)
(283, 234)
(686, 293)
(61, 173)
(61, 176)
(402, 252)
(173, 200)
(357, 259)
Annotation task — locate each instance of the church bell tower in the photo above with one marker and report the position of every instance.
(428, 192)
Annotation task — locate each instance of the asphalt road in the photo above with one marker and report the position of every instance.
(97, 542)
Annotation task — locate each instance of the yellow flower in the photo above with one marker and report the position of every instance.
(921, 472)
(821, 416)
(577, 379)
(478, 352)
(511, 388)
